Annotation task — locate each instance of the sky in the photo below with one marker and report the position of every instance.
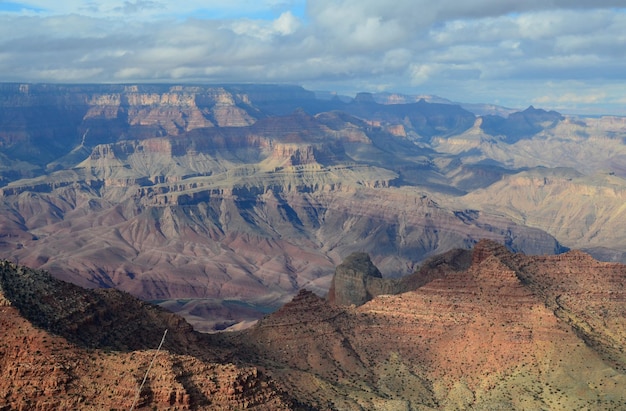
(566, 55)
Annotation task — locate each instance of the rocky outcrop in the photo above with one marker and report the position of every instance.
(357, 280)
(293, 154)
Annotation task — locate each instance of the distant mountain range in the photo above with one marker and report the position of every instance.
(221, 202)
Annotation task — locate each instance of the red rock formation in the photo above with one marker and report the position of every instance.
(481, 337)
(497, 330)
(104, 365)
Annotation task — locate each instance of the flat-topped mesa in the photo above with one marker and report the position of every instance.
(294, 154)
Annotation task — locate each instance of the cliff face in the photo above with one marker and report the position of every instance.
(43, 122)
(357, 280)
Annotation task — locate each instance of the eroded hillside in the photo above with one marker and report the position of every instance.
(507, 331)
(63, 347)
(472, 329)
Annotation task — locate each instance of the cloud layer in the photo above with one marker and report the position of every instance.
(562, 54)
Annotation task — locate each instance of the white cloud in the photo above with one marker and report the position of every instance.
(476, 49)
(286, 24)
(421, 73)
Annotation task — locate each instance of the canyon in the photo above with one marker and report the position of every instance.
(220, 202)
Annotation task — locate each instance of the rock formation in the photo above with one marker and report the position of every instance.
(489, 330)
(357, 280)
(482, 329)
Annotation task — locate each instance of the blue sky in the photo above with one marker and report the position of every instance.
(568, 55)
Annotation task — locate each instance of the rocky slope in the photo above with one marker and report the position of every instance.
(508, 331)
(567, 180)
(577, 208)
(63, 347)
(481, 329)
